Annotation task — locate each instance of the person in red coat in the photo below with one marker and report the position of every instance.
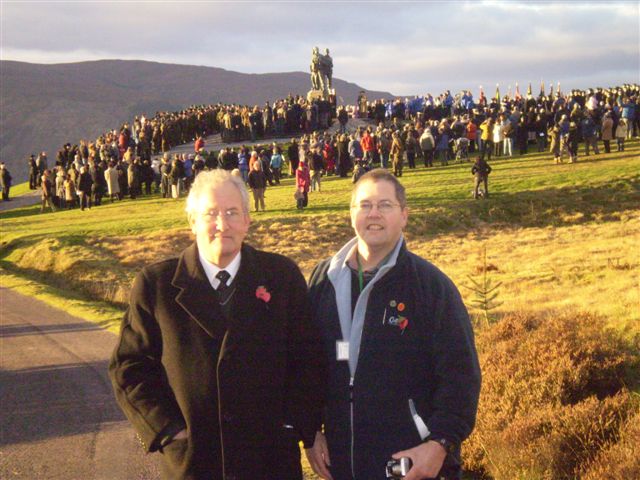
(329, 156)
(367, 145)
(472, 133)
(199, 144)
(303, 182)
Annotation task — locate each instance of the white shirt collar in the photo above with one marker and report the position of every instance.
(211, 270)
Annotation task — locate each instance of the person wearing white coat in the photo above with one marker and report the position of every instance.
(111, 177)
(498, 136)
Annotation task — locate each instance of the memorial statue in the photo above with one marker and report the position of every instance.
(321, 73)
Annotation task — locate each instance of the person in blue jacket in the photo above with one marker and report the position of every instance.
(628, 113)
(589, 134)
(404, 377)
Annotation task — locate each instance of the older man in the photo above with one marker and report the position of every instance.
(217, 365)
(404, 378)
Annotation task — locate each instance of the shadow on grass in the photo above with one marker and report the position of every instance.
(546, 207)
(23, 212)
(600, 158)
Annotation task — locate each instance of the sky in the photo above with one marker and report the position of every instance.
(405, 48)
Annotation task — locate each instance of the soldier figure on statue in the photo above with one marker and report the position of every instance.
(326, 69)
(316, 78)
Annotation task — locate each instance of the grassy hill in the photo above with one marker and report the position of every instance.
(562, 240)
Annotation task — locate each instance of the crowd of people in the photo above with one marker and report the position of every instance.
(446, 126)
(399, 132)
(120, 162)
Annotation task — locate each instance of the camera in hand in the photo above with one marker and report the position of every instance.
(398, 468)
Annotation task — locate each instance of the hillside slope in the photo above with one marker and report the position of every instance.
(44, 106)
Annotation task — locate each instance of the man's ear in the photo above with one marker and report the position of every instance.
(192, 222)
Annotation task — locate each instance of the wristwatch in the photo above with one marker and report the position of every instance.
(448, 446)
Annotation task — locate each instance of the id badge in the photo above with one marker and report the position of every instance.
(342, 350)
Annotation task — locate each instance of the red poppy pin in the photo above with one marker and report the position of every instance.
(396, 319)
(404, 322)
(263, 294)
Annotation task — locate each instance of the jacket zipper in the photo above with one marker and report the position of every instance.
(353, 473)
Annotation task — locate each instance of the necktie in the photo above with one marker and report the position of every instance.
(224, 277)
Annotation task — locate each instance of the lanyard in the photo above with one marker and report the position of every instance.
(360, 273)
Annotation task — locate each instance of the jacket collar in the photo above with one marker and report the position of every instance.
(199, 300)
(338, 261)
(196, 295)
(352, 320)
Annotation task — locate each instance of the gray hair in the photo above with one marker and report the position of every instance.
(209, 180)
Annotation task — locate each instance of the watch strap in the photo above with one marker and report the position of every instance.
(448, 446)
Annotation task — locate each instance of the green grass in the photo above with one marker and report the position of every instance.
(20, 189)
(526, 192)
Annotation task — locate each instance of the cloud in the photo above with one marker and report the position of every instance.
(401, 47)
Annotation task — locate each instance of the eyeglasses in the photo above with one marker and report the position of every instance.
(231, 215)
(384, 206)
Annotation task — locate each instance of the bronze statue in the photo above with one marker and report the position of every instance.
(316, 77)
(321, 71)
(326, 68)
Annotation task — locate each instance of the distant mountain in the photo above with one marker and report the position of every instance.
(44, 106)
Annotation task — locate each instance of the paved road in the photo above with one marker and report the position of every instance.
(29, 198)
(58, 417)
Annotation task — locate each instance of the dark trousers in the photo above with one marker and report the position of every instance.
(165, 187)
(85, 200)
(591, 142)
(607, 146)
(411, 159)
(481, 180)
(487, 147)
(276, 174)
(96, 194)
(443, 156)
(303, 201)
(428, 158)
(134, 190)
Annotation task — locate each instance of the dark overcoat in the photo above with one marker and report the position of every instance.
(233, 380)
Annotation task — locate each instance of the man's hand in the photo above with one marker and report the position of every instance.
(427, 460)
(318, 456)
